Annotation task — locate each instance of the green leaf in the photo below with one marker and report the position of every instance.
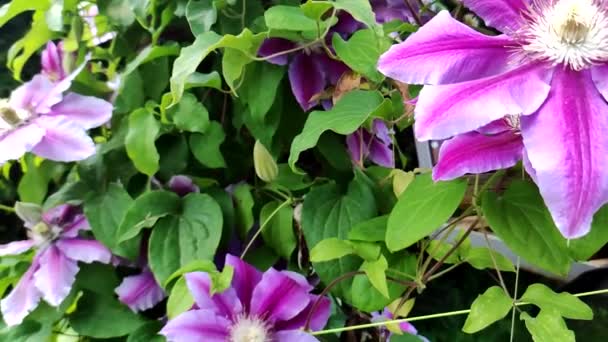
(265, 166)
(147, 332)
(548, 326)
(278, 232)
(206, 147)
(376, 272)
(487, 308)
(584, 248)
(288, 18)
(344, 118)
(139, 142)
(482, 258)
(21, 51)
(194, 235)
(131, 94)
(34, 184)
(369, 251)
(210, 80)
(260, 99)
(423, 207)
(361, 52)
(362, 11)
(329, 213)
(373, 230)
(315, 10)
(13, 8)
(201, 15)
(189, 114)
(105, 212)
(151, 53)
(519, 217)
(145, 211)
(243, 206)
(564, 303)
(245, 45)
(102, 316)
(180, 299)
(189, 59)
(330, 249)
(437, 250)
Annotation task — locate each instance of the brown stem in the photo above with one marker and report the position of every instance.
(414, 12)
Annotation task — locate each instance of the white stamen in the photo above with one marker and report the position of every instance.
(249, 329)
(569, 32)
(43, 234)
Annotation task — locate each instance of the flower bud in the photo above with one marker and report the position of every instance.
(265, 166)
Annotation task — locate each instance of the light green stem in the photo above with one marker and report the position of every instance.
(421, 318)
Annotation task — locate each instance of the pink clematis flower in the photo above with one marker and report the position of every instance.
(537, 92)
(405, 327)
(39, 118)
(54, 236)
(269, 306)
(53, 62)
(140, 292)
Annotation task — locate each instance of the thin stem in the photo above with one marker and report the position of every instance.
(447, 270)
(243, 13)
(491, 250)
(414, 12)
(7, 208)
(514, 300)
(421, 318)
(264, 224)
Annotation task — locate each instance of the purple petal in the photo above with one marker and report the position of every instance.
(56, 275)
(477, 153)
(408, 328)
(447, 110)
(505, 15)
(36, 94)
(600, 78)
(306, 79)
(16, 247)
(225, 304)
(14, 144)
(245, 279)
(22, 299)
(61, 215)
(381, 131)
(182, 185)
(318, 320)
(272, 46)
(63, 141)
(332, 68)
(86, 111)
(52, 61)
(197, 325)
(72, 228)
(381, 154)
(140, 292)
(567, 146)
(495, 127)
(446, 51)
(84, 250)
(294, 336)
(355, 143)
(292, 300)
(346, 25)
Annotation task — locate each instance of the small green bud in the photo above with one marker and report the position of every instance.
(41, 228)
(9, 116)
(265, 166)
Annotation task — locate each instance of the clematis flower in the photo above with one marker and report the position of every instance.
(54, 235)
(39, 118)
(269, 306)
(89, 12)
(182, 185)
(389, 10)
(310, 70)
(544, 81)
(375, 145)
(404, 327)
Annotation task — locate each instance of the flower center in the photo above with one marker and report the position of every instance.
(249, 329)
(11, 117)
(569, 32)
(43, 234)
